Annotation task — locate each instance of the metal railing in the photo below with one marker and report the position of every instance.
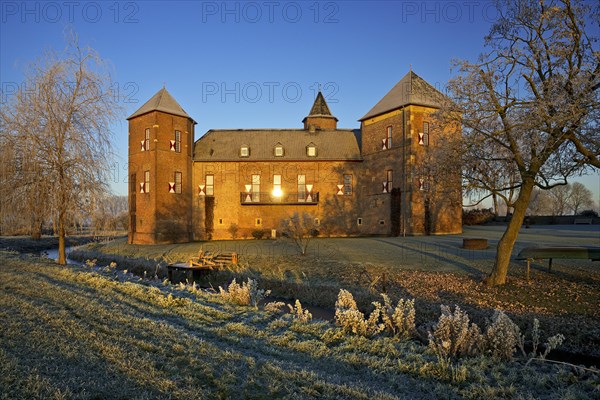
(285, 198)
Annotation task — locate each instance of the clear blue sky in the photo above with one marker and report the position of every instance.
(253, 64)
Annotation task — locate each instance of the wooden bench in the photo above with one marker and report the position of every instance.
(541, 253)
(582, 221)
(205, 261)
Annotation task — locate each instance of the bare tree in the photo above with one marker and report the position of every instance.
(539, 203)
(300, 229)
(559, 199)
(581, 198)
(63, 122)
(530, 104)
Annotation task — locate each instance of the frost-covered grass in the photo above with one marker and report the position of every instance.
(81, 332)
(431, 270)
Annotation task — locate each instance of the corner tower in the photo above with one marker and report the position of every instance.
(401, 143)
(160, 172)
(320, 117)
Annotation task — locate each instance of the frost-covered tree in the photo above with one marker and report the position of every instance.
(62, 125)
(581, 198)
(530, 105)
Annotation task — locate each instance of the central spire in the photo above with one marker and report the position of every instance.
(320, 117)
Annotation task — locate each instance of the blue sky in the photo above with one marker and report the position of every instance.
(253, 64)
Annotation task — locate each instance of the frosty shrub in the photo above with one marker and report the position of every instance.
(275, 306)
(399, 320)
(351, 320)
(453, 336)
(244, 295)
(552, 343)
(502, 337)
(299, 313)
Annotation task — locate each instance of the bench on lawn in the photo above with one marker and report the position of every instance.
(541, 253)
(582, 221)
(205, 261)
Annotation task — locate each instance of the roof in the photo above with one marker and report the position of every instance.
(224, 145)
(161, 101)
(320, 109)
(411, 89)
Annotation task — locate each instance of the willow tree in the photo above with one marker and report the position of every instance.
(530, 105)
(61, 123)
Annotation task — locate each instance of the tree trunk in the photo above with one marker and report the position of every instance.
(62, 251)
(36, 234)
(507, 242)
(495, 199)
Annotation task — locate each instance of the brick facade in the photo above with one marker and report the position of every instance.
(233, 183)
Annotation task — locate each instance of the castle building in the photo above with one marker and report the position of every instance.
(375, 180)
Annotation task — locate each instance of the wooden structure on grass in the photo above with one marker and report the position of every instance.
(204, 261)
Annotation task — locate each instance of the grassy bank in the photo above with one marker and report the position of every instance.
(433, 270)
(73, 332)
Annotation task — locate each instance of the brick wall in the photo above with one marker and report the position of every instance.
(160, 216)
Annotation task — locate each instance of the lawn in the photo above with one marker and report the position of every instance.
(90, 333)
(432, 269)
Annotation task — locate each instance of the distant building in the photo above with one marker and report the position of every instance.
(351, 181)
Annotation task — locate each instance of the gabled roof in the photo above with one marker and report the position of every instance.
(412, 89)
(331, 144)
(161, 101)
(320, 108)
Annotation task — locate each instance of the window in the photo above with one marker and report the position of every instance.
(146, 144)
(177, 141)
(311, 150)
(177, 182)
(381, 222)
(389, 137)
(244, 151)
(220, 221)
(277, 193)
(389, 180)
(256, 188)
(347, 185)
(278, 150)
(359, 221)
(146, 183)
(424, 137)
(423, 184)
(258, 222)
(209, 181)
(301, 188)
(317, 222)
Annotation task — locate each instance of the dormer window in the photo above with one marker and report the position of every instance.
(311, 150)
(278, 150)
(244, 151)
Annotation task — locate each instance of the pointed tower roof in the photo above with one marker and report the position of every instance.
(411, 89)
(161, 101)
(319, 108)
